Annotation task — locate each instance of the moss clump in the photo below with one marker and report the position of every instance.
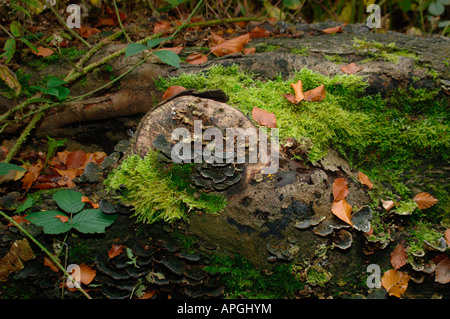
(380, 51)
(421, 232)
(243, 280)
(160, 193)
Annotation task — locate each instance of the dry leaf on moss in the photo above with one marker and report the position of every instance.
(364, 179)
(298, 91)
(315, 95)
(172, 90)
(424, 200)
(398, 256)
(264, 118)
(395, 282)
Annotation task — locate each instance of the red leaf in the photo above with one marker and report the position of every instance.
(32, 174)
(175, 50)
(340, 189)
(172, 90)
(398, 257)
(216, 39)
(290, 97)
(76, 159)
(264, 118)
(395, 282)
(298, 91)
(115, 250)
(258, 32)
(442, 271)
(42, 51)
(86, 32)
(85, 199)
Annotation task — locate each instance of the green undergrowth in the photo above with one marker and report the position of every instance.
(158, 192)
(243, 280)
(387, 138)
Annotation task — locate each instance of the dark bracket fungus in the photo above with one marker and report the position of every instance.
(343, 239)
(361, 219)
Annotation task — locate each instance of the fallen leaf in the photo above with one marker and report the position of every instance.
(249, 51)
(447, 236)
(395, 282)
(424, 200)
(163, 27)
(340, 189)
(67, 176)
(115, 250)
(290, 97)
(315, 95)
(19, 219)
(147, 295)
(365, 180)
(87, 274)
(85, 199)
(298, 91)
(233, 45)
(10, 78)
(172, 90)
(258, 32)
(196, 58)
(62, 218)
(105, 21)
(32, 174)
(398, 256)
(332, 30)
(342, 210)
(50, 264)
(442, 271)
(350, 69)
(264, 118)
(87, 32)
(75, 159)
(387, 204)
(216, 39)
(43, 51)
(175, 50)
(96, 157)
(19, 252)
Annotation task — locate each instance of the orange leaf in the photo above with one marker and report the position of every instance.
(147, 295)
(425, 200)
(258, 32)
(76, 159)
(315, 95)
(298, 91)
(442, 271)
(340, 189)
(62, 218)
(216, 39)
(32, 174)
(249, 51)
(163, 27)
(342, 210)
(365, 180)
(42, 51)
(290, 97)
(87, 274)
(86, 32)
(105, 21)
(18, 219)
(264, 118)
(50, 264)
(68, 175)
(395, 282)
(85, 199)
(350, 69)
(196, 58)
(175, 50)
(387, 204)
(234, 45)
(332, 30)
(447, 236)
(398, 257)
(115, 251)
(172, 90)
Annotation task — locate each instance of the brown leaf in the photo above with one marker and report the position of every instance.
(298, 91)
(68, 175)
(49, 263)
(249, 51)
(10, 78)
(87, 32)
(87, 274)
(115, 250)
(342, 210)
(340, 189)
(62, 218)
(172, 90)
(395, 282)
(233, 45)
(332, 30)
(398, 256)
(76, 159)
(175, 50)
(315, 95)
(43, 51)
(290, 97)
(447, 236)
(442, 271)
(32, 174)
(147, 294)
(387, 204)
(258, 32)
(216, 39)
(105, 21)
(19, 219)
(264, 118)
(196, 58)
(365, 180)
(350, 69)
(424, 200)
(163, 27)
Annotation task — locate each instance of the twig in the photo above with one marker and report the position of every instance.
(50, 255)
(61, 20)
(120, 22)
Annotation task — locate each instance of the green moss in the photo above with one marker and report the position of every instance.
(301, 51)
(263, 47)
(71, 53)
(421, 232)
(335, 58)
(159, 193)
(316, 275)
(380, 51)
(243, 280)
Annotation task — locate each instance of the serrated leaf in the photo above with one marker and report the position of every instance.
(154, 42)
(69, 201)
(49, 222)
(6, 167)
(134, 48)
(28, 203)
(169, 58)
(92, 221)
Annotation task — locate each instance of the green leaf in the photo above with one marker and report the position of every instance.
(51, 91)
(291, 4)
(62, 92)
(19, 8)
(10, 49)
(29, 44)
(69, 201)
(154, 42)
(92, 221)
(28, 203)
(51, 224)
(436, 8)
(54, 82)
(6, 167)
(10, 79)
(15, 28)
(134, 48)
(169, 57)
(33, 3)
